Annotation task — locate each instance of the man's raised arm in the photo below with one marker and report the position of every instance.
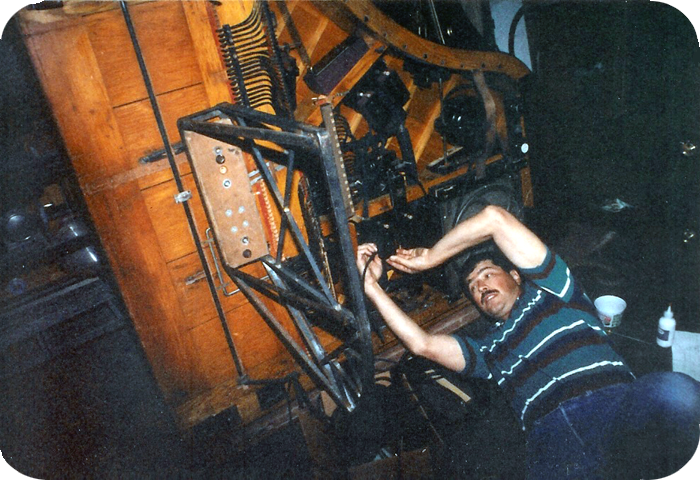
(442, 349)
(516, 241)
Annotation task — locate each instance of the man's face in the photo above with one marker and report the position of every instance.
(493, 289)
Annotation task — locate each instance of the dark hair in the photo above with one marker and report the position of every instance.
(479, 253)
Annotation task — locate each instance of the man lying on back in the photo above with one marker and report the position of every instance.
(573, 394)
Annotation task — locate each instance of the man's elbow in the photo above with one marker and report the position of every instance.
(496, 214)
(426, 348)
(419, 348)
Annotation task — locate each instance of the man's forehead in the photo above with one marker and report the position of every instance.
(481, 266)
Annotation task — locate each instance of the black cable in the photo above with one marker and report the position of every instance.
(364, 271)
(513, 27)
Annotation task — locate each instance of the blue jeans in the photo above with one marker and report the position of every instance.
(645, 429)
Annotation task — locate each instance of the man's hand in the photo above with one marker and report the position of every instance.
(516, 241)
(369, 264)
(411, 260)
(440, 348)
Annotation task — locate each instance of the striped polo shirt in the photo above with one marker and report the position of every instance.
(551, 348)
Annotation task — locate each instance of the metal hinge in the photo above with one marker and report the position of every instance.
(183, 196)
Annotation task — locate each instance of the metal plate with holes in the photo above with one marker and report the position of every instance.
(228, 198)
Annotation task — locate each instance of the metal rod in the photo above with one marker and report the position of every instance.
(436, 20)
(286, 212)
(287, 196)
(354, 289)
(293, 348)
(300, 321)
(272, 39)
(284, 296)
(178, 181)
(290, 276)
(226, 133)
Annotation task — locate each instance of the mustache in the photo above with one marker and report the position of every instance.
(487, 292)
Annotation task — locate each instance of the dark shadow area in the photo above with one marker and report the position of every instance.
(611, 110)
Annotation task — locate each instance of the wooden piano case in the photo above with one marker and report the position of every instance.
(87, 64)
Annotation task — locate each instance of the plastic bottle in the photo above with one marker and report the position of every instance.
(667, 329)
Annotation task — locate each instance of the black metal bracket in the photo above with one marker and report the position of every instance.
(299, 147)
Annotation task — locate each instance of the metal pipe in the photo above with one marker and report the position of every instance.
(180, 188)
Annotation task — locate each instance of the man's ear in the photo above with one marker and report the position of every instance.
(516, 276)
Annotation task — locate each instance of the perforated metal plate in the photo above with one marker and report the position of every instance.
(224, 186)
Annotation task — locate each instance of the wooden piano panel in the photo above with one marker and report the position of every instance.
(170, 223)
(171, 59)
(88, 69)
(138, 126)
(107, 126)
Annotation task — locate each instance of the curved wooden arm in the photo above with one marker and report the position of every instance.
(349, 14)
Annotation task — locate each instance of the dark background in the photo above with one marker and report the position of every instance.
(613, 94)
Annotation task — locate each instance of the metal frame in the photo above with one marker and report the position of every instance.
(300, 147)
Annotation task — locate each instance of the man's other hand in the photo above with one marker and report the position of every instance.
(411, 260)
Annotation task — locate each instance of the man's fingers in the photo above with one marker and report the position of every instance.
(364, 254)
(397, 262)
(366, 249)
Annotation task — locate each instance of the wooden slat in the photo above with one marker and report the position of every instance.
(215, 361)
(222, 396)
(349, 14)
(312, 26)
(147, 175)
(161, 28)
(169, 221)
(234, 12)
(202, 25)
(257, 346)
(73, 83)
(194, 296)
(124, 226)
(35, 22)
(138, 125)
(425, 109)
(116, 57)
(526, 187)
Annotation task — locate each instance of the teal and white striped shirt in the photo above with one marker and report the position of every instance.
(550, 349)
